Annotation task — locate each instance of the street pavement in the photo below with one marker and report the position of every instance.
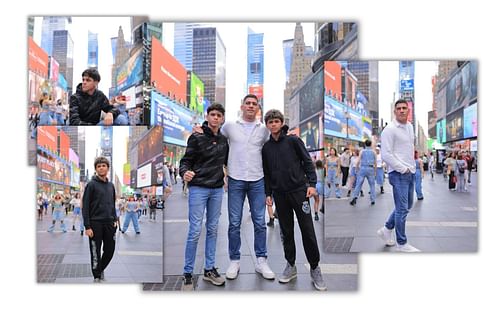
(340, 271)
(65, 257)
(445, 221)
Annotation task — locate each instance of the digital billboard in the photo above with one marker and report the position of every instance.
(75, 176)
(257, 90)
(441, 130)
(458, 89)
(47, 137)
(367, 128)
(470, 121)
(54, 70)
(73, 157)
(311, 96)
(441, 103)
(197, 94)
(129, 95)
(294, 111)
(133, 178)
(349, 88)
(335, 118)
(51, 169)
(144, 176)
(157, 171)
(455, 126)
(473, 80)
(38, 59)
(130, 73)
(63, 145)
(333, 80)
(177, 121)
(150, 145)
(169, 75)
(310, 133)
(355, 125)
(126, 174)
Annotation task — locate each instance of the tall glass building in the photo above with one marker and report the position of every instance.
(93, 53)
(49, 25)
(62, 51)
(255, 59)
(209, 63)
(183, 43)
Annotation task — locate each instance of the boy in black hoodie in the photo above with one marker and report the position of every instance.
(99, 218)
(290, 179)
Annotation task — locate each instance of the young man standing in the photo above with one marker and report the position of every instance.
(397, 145)
(99, 218)
(290, 179)
(202, 167)
(87, 103)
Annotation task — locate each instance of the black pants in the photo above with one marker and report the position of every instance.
(104, 236)
(286, 204)
(345, 174)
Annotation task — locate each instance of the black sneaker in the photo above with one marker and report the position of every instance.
(362, 194)
(381, 189)
(81, 232)
(214, 277)
(353, 201)
(271, 222)
(316, 217)
(373, 203)
(348, 193)
(73, 229)
(188, 282)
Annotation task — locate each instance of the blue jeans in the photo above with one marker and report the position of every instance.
(131, 216)
(201, 198)
(418, 184)
(237, 191)
(380, 176)
(402, 190)
(332, 179)
(369, 173)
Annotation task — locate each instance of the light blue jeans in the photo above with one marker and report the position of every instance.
(131, 215)
(418, 184)
(369, 173)
(201, 199)
(402, 190)
(237, 191)
(332, 179)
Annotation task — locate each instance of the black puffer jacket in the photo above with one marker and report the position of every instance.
(98, 202)
(206, 155)
(85, 109)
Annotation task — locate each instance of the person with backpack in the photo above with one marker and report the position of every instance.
(460, 168)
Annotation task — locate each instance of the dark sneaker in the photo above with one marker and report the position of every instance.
(214, 277)
(81, 232)
(362, 194)
(289, 273)
(271, 222)
(317, 279)
(188, 282)
(316, 217)
(73, 228)
(381, 189)
(353, 201)
(372, 203)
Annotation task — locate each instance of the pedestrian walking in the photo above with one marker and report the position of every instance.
(77, 212)
(366, 168)
(419, 176)
(333, 167)
(57, 213)
(460, 169)
(380, 176)
(345, 159)
(132, 209)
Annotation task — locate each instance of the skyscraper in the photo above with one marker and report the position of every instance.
(255, 65)
(31, 26)
(49, 25)
(287, 56)
(93, 51)
(183, 43)
(209, 63)
(120, 53)
(62, 51)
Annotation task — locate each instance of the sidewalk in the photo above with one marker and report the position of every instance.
(445, 221)
(65, 257)
(340, 271)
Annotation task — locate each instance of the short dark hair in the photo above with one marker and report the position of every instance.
(101, 160)
(368, 143)
(216, 107)
(274, 114)
(251, 96)
(319, 164)
(92, 73)
(400, 101)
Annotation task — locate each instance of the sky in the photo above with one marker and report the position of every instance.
(234, 36)
(106, 28)
(389, 84)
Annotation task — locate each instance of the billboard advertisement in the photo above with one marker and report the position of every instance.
(458, 89)
(310, 133)
(61, 81)
(150, 146)
(157, 171)
(53, 170)
(441, 103)
(473, 80)
(335, 118)
(410, 111)
(126, 174)
(130, 73)
(54, 70)
(63, 145)
(133, 178)
(73, 157)
(470, 121)
(367, 128)
(38, 60)
(455, 126)
(197, 94)
(47, 137)
(169, 75)
(177, 121)
(355, 125)
(75, 176)
(294, 111)
(144, 176)
(441, 130)
(129, 95)
(350, 87)
(311, 96)
(333, 80)
(406, 85)
(107, 138)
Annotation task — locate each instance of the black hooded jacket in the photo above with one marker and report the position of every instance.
(85, 109)
(98, 202)
(287, 165)
(206, 155)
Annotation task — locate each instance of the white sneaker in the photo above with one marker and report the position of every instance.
(406, 248)
(233, 270)
(387, 235)
(264, 269)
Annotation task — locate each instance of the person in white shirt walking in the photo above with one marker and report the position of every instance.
(397, 145)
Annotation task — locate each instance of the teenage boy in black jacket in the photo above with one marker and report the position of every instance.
(202, 167)
(99, 218)
(290, 179)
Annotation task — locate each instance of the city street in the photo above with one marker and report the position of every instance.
(65, 257)
(340, 271)
(445, 221)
